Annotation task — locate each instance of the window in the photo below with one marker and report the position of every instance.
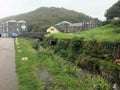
(7, 24)
(7, 34)
(23, 27)
(52, 29)
(17, 30)
(3, 30)
(7, 29)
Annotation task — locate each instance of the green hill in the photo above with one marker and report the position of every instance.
(41, 18)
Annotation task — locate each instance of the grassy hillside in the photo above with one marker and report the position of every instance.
(42, 18)
(108, 33)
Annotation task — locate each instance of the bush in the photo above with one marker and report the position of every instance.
(116, 23)
(117, 31)
(35, 44)
(105, 23)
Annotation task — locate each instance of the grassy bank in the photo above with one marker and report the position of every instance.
(27, 76)
(67, 75)
(108, 33)
(46, 71)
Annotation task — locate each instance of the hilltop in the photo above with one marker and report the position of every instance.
(41, 18)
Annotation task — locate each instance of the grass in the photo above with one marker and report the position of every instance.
(63, 73)
(27, 77)
(100, 34)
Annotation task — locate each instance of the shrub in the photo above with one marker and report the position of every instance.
(117, 31)
(35, 44)
(116, 23)
(105, 23)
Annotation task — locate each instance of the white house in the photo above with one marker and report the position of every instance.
(52, 29)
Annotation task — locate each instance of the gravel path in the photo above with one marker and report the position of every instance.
(8, 77)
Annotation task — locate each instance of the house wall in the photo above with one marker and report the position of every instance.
(116, 18)
(63, 27)
(52, 30)
(4, 30)
(12, 27)
(19, 29)
(7, 28)
(75, 28)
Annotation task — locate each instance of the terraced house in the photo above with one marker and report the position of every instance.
(12, 26)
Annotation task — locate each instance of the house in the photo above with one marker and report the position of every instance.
(59, 27)
(94, 23)
(53, 29)
(68, 27)
(22, 26)
(75, 27)
(63, 26)
(116, 18)
(12, 26)
(86, 25)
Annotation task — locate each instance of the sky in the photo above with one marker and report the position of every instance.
(93, 8)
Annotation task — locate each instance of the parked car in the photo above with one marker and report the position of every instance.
(14, 35)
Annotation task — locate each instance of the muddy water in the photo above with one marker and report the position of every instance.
(8, 78)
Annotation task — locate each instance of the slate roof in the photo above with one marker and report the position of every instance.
(22, 21)
(58, 28)
(76, 24)
(63, 22)
(12, 20)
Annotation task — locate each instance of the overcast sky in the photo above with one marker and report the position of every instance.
(93, 8)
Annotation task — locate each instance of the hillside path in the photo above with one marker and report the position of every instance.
(8, 77)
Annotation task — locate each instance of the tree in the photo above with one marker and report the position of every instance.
(113, 11)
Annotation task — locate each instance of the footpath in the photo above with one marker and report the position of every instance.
(8, 77)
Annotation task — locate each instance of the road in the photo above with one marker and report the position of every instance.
(8, 77)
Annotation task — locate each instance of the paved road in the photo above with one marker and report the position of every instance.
(8, 77)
